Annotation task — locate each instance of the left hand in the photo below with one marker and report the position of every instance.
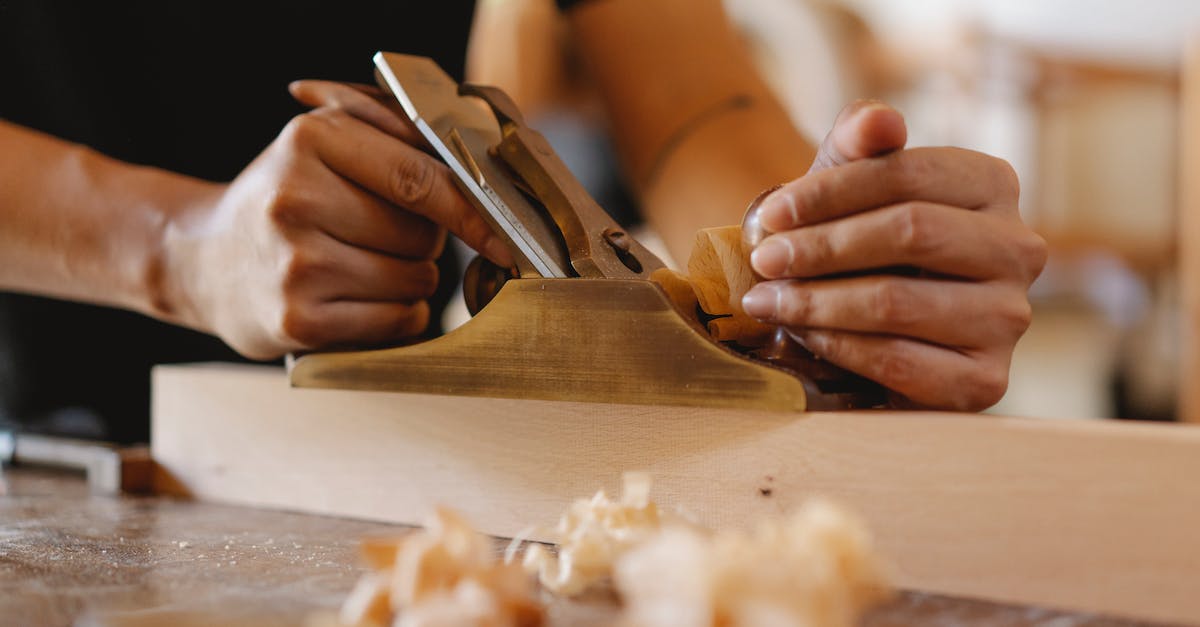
(327, 239)
(943, 338)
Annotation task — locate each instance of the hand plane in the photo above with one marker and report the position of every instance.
(588, 313)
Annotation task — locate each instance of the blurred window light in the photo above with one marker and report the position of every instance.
(1130, 32)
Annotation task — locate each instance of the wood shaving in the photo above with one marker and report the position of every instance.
(592, 534)
(816, 568)
(445, 574)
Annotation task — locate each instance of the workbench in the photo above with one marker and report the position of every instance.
(67, 556)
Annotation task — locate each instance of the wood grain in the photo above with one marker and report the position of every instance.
(1092, 516)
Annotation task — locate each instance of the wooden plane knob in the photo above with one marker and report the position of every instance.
(782, 346)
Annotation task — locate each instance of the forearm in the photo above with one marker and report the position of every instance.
(712, 175)
(77, 225)
(698, 131)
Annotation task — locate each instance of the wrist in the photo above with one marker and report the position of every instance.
(171, 283)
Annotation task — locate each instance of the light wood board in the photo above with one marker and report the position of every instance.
(1090, 515)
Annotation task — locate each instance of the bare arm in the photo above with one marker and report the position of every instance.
(75, 224)
(699, 132)
(327, 238)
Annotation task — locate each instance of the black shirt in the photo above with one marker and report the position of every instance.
(197, 88)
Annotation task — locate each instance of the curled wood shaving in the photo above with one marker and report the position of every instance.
(445, 574)
(816, 568)
(592, 534)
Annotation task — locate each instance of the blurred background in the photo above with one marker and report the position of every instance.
(1086, 98)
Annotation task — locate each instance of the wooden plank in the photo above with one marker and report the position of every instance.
(1078, 515)
(1189, 236)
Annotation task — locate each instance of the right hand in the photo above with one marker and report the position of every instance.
(328, 238)
(941, 337)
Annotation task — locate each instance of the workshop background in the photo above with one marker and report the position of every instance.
(1084, 97)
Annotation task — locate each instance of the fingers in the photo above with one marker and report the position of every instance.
(354, 323)
(379, 227)
(321, 269)
(925, 374)
(956, 314)
(938, 238)
(339, 295)
(364, 220)
(372, 277)
(947, 176)
(397, 172)
(361, 101)
(867, 206)
(863, 129)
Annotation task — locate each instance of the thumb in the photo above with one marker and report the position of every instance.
(864, 129)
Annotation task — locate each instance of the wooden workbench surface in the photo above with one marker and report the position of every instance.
(67, 556)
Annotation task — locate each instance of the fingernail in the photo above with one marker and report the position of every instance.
(814, 341)
(798, 337)
(762, 301)
(778, 212)
(773, 258)
(874, 105)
